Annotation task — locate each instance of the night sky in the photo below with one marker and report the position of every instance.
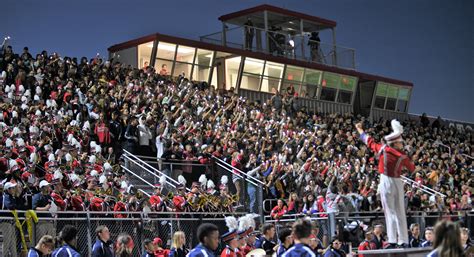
(427, 42)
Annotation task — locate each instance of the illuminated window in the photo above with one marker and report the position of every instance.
(144, 54)
(272, 75)
(253, 66)
(204, 58)
(232, 71)
(201, 73)
(391, 97)
(166, 51)
(312, 79)
(270, 84)
(180, 68)
(185, 54)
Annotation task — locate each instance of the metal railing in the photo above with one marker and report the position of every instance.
(139, 226)
(278, 43)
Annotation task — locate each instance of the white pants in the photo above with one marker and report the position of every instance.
(393, 203)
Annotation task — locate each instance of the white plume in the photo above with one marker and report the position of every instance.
(397, 127)
(16, 131)
(51, 157)
(224, 180)
(92, 159)
(69, 138)
(8, 142)
(231, 223)
(203, 180)
(36, 98)
(181, 180)
(68, 157)
(210, 184)
(94, 173)
(20, 142)
(162, 180)
(32, 157)
(123, 185)
(12, 163)
(102, 179)
(244, 223)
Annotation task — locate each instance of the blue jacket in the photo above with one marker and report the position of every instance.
(34, 253)
(281, 250)
(299, 250)
(201, 251)
(65, 251)
(332, 253)
(101, 249)
(426, 244)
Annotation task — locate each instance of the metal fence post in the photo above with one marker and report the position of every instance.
(89, 232)
(260, 203)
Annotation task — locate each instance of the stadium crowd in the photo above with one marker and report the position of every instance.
(64, 123)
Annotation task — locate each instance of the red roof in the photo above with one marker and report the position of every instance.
(274, 9)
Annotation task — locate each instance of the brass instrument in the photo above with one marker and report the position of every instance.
(230, 200)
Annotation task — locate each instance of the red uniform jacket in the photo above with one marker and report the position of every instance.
(391, 161)
(179, 202)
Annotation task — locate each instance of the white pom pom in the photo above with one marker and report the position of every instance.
(32, 157)
(58, 175)
(12, 163)
(181, 180)
(224, 180)
(20, 142)
(102, 179)
(94, 173)
(16, 131)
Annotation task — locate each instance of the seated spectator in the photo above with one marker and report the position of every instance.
(414, 239)
(279, 210)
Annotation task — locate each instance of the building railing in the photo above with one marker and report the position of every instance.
(276, 43)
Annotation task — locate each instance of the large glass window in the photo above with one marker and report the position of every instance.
(311, 81)
(232, 71)
(344, 97)
(272, 75)
(185, 54)
(204, 57)
(250, 81)
(166, 51)
(163, 67)
(201, 73)
(182, 68)
(144, 54)
(252, 74)
(294, 74)
(328, 94)
(391, 97)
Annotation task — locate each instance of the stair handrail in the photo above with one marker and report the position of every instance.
(241, 173)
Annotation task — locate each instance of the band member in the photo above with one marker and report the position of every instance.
(211, 188)
(157, 200)
(231, 238)
(392, 159)
(179, 201)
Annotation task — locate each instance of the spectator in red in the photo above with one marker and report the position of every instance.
(279, 210)
(102, 130)
(367, 244)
